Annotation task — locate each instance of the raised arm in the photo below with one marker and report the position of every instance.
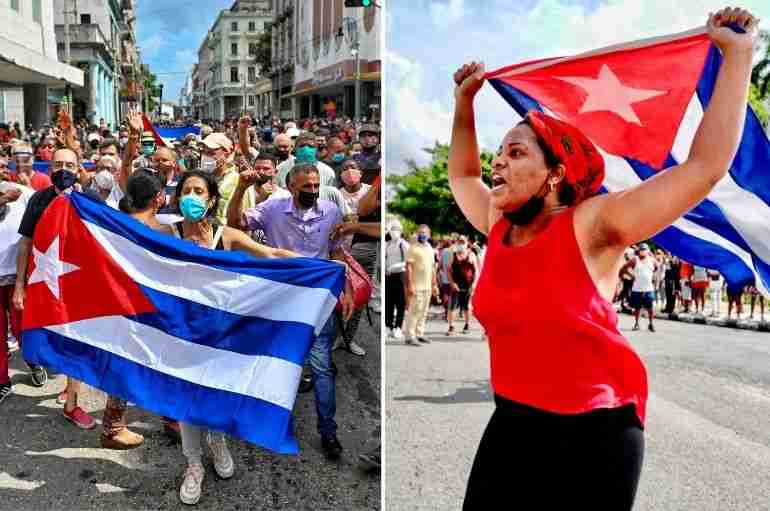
(135, 126)
(243, 135)
(470, 192)
(644, 210)
(370, 201)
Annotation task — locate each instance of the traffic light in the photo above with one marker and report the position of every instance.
(359, 3)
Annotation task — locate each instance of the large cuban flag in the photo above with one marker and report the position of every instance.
(208, 337)
(641, 103)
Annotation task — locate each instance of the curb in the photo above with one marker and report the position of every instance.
(756, 326)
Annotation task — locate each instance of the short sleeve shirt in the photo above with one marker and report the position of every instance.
(422, 258)
(36, 206)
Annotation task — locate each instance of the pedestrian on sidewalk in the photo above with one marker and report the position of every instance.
(756, 296)
(699, 284)
(560, 426)
(671, 278)
(395, 274)
(715, 292)
(734, 298)
(421, 284)
(643, 267)
(463, 269)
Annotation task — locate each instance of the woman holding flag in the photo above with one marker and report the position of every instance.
(570, 392)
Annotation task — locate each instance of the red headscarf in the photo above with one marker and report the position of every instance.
(584, 165)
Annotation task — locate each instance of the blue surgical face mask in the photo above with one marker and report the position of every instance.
(306, 154)
(148, 150)
(422, 238)
(193, 208)
(338, 157)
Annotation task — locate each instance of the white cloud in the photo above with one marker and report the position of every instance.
(151, 46)
(444, 14)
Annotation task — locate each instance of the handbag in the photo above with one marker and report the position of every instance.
(360, 283)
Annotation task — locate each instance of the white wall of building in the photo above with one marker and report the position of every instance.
(20, 27)
(306, 64)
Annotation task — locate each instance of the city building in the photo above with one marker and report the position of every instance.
(227, 72)
(29, 64)
(102, 43)
(335, 47)
(282, 31)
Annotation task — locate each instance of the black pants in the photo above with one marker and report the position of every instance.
(395, 300)
(670, 297)
(550, 461)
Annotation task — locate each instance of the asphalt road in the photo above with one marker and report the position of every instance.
(48, 464)
(707, 434)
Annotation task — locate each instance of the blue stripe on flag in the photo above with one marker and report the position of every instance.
(207, 326)
(519, 100)
(707, 214)
(314, 273)
(251, 419)
(751, 163)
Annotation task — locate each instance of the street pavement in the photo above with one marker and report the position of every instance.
(47, 463)
(707, 432)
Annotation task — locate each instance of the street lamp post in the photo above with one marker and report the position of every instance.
(356, 53)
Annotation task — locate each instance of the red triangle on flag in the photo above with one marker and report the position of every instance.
(629, 102)
(71, 277)
(148, 126)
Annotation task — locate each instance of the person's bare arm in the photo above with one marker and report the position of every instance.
(22, 258)
(234, 216)
(135, 127)
(369, 202)
(243, 134)
(241, 241)
(470, 192)
(347, 294)
(638, 213)
(448, 271)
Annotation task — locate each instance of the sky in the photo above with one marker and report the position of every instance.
(169, 33)
(428, 40)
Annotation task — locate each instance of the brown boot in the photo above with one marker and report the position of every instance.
(124, 439)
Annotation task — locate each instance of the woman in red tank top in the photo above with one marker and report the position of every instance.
(570, 391)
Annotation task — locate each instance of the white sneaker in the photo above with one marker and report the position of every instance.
(398, 334)
(190, 491)
(223, 462)
(391, 333)
(355, 349)
(13, 344)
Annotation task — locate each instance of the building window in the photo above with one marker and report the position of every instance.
(251, 100)
(234, 74)
(252, 74)
(234, 49)
(15, 5)
(37, 14)
(234, 26)
(252, 49)
(85, 19)
(252, 26)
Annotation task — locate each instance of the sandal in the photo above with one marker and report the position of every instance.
(451, 330)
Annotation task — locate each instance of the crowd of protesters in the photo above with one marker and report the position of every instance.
(228, 188)
(423, 271)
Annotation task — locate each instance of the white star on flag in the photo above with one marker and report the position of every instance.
(49, 267)
(606, 93)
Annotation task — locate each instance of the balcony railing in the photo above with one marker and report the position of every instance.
(84, 34)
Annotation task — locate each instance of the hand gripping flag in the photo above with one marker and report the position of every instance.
(641, 103)
(212, 338)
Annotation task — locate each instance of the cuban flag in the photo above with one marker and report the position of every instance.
(641, 103)
(211, 338)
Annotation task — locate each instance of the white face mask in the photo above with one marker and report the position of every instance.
(104, 180)
(395, 235)
(208, 163)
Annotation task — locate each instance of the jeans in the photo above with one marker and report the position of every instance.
(320, 361)
(366, 255)
(8, 313)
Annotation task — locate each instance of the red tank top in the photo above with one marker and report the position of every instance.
(553, 339)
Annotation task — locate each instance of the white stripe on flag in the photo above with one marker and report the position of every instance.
(225, 290)
(745, 211)
(620, 176)
(267, 378)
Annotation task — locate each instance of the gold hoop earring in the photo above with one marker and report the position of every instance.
(551, 186)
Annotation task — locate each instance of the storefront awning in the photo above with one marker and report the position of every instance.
(348, 80)
(20, 65)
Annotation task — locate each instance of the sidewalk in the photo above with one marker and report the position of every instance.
(436, 313)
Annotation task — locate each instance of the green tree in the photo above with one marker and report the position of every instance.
(422, 195)
(264, 55)
(759, 93)
(151, 89)
(758, 105)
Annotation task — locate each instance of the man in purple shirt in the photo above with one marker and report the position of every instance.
(304, 223)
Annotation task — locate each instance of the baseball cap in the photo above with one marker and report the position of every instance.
(292, 132)
(93, 136)
(369, 128)
(643, 246)
(21, 149)
(218, 141)
(147, 137)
